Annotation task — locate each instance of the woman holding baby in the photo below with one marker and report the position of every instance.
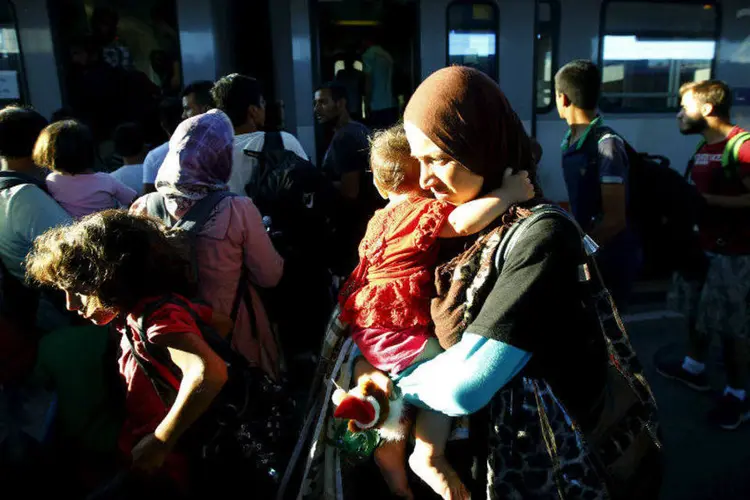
(559, 406)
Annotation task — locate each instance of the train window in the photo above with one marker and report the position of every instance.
(12, 78)
(547, 36)
(645, 59)
(473, 36)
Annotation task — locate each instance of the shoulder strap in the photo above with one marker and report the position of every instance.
(10, 179)
(604, 132)
(162, 387)
(273, 142)
(539, 212)
(243, 295)
(156, 207)
(194, 220)
(587, 270)
(601, 133)
(731, 155)
(691, 162)
(221, 346)
(699, 146)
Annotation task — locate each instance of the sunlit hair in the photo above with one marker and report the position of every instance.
(713, 92)
(394, 169)
(113, 256)
(66, 146)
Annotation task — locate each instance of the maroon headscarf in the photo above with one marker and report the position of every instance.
(466, 115)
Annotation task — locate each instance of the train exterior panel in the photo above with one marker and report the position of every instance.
(645, 50)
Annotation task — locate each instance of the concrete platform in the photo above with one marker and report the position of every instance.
(703, 463)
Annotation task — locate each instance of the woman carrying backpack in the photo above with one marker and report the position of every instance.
(558, 404)
(232, 251)
(122, 269)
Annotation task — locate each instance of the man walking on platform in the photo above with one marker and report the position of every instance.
(717, 304)
(596, 170)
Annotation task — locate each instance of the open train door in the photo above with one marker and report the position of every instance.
(373, 49)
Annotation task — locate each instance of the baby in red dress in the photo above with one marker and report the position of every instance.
(386, 300)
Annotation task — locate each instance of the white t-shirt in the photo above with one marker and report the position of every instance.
(131, 176)
(243, 165)
(378, 65)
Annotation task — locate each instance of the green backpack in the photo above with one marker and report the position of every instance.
(730, 158)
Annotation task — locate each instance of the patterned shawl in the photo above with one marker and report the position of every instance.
(535, 448)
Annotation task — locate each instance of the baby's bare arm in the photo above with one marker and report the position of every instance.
(473, 216)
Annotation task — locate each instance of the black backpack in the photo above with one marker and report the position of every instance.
(298, 203)
(296, 197)
(664, 209)
(244, 440)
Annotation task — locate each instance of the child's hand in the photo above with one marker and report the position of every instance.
(382, 380)
(516, 188)
(364, 371)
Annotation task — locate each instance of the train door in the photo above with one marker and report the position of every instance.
(249, 52)
(547, 127)
(373, 50)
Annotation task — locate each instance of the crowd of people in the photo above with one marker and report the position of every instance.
(468, 311)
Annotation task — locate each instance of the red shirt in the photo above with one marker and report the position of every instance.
(143, 407)
(393, 283)
(723, 230)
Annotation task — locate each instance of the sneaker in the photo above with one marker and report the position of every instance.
(674, 370)
(730, 412)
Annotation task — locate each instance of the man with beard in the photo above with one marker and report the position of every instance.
(717, 305)
(595, 167)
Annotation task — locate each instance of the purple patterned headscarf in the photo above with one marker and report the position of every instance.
(199, 161)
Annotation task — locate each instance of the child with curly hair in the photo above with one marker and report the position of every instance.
(119, 268)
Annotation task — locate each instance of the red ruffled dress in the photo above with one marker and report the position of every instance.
(386, 300)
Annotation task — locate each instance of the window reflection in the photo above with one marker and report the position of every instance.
(472, 36)
(548, 28)
(12, 80)
(645, 59)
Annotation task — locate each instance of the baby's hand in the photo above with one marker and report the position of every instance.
(380, 379)
(516, 188)
(364, 371)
